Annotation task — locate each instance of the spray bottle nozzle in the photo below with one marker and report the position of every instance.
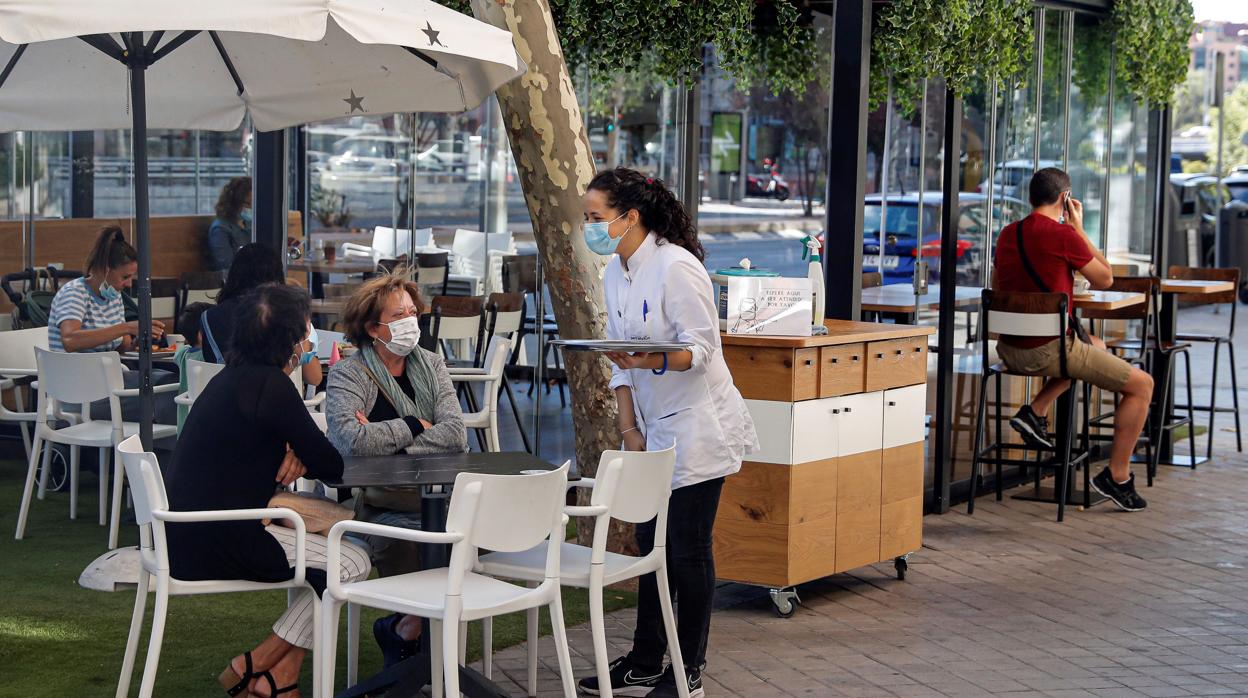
(811, 248)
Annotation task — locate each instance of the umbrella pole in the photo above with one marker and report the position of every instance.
(142, 213)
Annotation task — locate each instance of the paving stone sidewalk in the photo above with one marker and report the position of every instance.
(1007, 602)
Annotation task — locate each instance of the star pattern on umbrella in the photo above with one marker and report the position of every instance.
(433, 35)
(356, 103)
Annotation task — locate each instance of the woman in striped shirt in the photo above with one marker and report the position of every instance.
(88, 313)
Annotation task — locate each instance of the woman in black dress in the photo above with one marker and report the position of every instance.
(248, 433)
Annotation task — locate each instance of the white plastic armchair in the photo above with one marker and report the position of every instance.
(492, 376)
(151, 508)
(81, 379)
(198, 373)
(17, 361)
(495, 512)
(631, 486)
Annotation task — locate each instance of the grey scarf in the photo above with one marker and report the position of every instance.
(418, 371)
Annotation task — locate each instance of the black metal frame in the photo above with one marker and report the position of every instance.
(847, 173)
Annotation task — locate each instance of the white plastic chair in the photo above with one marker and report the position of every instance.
(311, 399)
(326, 339)
(198, 373)
(631, 486)
(17, 360)
(80, 379)
(496, 512)
(486, 419)
(471, 250)
(151, 511)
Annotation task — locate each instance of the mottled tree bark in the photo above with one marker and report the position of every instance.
(551, 150)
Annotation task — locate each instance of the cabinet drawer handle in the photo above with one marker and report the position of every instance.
(835, 360)
(836, 411)
(809, 362)
(854, 357)
(892, 403)
(898, 352)
(879, 356)
(848, 410)
(918, 349)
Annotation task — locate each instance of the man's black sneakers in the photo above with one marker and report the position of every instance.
(1123, 495)
(1032, 427)
(627, 679)
(667, 685)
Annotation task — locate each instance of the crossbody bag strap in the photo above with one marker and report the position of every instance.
(1075, 325)
(206, 328)
(381, 390)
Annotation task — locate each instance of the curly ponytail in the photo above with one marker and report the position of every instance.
(660, 212)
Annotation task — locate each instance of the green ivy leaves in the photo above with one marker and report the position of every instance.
(957, 40)
(757, 43)
(1150, 37)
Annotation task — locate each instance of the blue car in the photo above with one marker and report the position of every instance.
(902, 246)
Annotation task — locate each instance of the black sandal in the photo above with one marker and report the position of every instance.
(234, 684)
(273, 689)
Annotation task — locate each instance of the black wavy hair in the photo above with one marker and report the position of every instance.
(271, 321)
(660, 212)
(253, 265)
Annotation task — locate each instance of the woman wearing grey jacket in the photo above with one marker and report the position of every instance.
(391, 396)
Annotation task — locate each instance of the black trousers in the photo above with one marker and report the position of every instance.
(691, 576)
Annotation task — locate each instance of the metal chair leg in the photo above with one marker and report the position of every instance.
(1230, 351)
(981, 413)
(515, 411)
(1213, 399)
(999, 484)
(1191, 409)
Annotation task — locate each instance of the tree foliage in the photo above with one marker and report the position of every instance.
(1235, 139)
(1150, 38)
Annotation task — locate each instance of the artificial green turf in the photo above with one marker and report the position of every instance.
(58, 639)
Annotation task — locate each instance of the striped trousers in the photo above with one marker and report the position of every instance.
(295, 625)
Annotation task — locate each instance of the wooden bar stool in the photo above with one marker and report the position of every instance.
(1024, 315)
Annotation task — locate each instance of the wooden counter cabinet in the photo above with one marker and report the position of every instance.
(838, 481)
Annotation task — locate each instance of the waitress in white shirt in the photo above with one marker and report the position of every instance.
(657, 289)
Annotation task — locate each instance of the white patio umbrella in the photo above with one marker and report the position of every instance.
(84, 64)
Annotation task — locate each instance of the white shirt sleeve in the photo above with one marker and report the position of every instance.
(619, 377)
(688, 306)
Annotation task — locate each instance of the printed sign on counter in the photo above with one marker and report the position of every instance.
(775, 306)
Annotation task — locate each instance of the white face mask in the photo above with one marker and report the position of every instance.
(404, 336)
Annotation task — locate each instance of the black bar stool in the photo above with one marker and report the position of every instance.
(1024, 315)
(1217, 340)
(1140, 351)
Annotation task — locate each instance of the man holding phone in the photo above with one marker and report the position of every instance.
(1040, 254)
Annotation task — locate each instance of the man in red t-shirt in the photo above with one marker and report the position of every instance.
(1055, 246)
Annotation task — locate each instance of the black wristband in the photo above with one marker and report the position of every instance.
(414, 425)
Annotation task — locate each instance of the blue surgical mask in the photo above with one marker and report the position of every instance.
(108, 293)
(598, 237)
(246, 216)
